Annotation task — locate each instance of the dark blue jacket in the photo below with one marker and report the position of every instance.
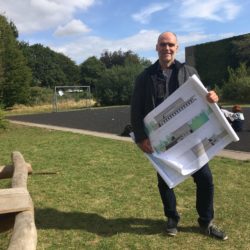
(144, 95)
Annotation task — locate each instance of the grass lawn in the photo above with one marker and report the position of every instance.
(104, 195)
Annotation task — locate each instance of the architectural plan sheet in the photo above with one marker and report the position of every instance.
(186, 132)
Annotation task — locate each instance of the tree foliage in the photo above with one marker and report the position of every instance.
(15, 75)
(237, 88)
(110, 59)
(241, 49)
(212, 59)
(28, 73)
(50, 68)
(91, 71)
(112, 76)
(116, 84)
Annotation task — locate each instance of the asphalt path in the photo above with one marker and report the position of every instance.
(113, 120)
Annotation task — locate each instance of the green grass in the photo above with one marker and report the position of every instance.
(105, 196)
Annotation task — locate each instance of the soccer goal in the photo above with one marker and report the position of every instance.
(71, 97)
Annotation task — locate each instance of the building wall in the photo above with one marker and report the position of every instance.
(213, 59)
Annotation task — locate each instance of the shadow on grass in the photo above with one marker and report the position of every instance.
(50, 218)
(7, 221)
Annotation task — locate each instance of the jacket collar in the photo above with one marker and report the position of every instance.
(152, 69)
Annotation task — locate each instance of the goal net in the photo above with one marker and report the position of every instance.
(71, 97)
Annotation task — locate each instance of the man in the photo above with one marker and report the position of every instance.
(152, 87)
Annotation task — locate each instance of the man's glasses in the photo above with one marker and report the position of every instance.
(167, 44)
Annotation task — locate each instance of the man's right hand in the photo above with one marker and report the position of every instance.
(145, 146)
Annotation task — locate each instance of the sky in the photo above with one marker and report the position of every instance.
(84, 28)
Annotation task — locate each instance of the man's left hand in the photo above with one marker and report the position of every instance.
(212, 97)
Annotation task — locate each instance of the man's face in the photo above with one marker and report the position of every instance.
(167, 47)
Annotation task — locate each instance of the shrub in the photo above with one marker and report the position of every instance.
(3, 121)
(237, 88)
(40, 95)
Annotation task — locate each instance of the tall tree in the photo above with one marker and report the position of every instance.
(241, 49)
(69, 68)
(17, 75)
(111, 59)
(50, 68)
(91, 71)
(237, 87)
(1, 64)
(116, 84)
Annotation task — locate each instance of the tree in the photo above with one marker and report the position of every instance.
(111, 59)
(241, 49)
(91, 71)
(50, 68)
(16, 75)
(69, 68)
(2, 79)
(116, 84)
(237, 88)
(14, 29)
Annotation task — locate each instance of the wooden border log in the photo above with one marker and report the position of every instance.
(7, 171)
(24, 233)
(14, 200)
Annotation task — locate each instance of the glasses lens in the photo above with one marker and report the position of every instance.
(167, 44)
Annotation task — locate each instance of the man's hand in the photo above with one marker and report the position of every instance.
(145, 146)
(212, 97)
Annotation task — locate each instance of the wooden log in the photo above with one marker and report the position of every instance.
(24, 234)
(7, 171)
(14, 200)
(20, 174)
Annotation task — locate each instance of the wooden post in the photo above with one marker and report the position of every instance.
(24, 233)
(7, 171)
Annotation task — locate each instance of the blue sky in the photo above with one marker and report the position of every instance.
(84, 28)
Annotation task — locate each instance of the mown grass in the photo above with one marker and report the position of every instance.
(104, 195)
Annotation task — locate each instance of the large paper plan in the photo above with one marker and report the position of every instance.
(186, 132)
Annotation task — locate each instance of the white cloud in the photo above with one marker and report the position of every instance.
(193, 38)
(87, 46)
(82, 4)
(145, 14)
(72, 28)
(144, 40)
(217, 10)
(142, 43)
(36, 15)
(58, 17)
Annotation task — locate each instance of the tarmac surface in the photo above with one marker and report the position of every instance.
(110, 123)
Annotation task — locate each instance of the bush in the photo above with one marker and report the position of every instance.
(116, 84)
(3, 122)
(237, 89)
(40, 95)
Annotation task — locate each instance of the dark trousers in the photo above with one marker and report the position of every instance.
(204, 196)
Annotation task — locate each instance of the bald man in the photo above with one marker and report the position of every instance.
(152, 87)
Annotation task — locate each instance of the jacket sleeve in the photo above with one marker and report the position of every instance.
(137, 109)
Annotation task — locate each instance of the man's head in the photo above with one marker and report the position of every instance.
(167, 46)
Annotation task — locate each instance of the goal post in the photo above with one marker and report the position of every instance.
(70, 96)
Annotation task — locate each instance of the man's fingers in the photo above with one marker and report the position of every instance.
(145, 146)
